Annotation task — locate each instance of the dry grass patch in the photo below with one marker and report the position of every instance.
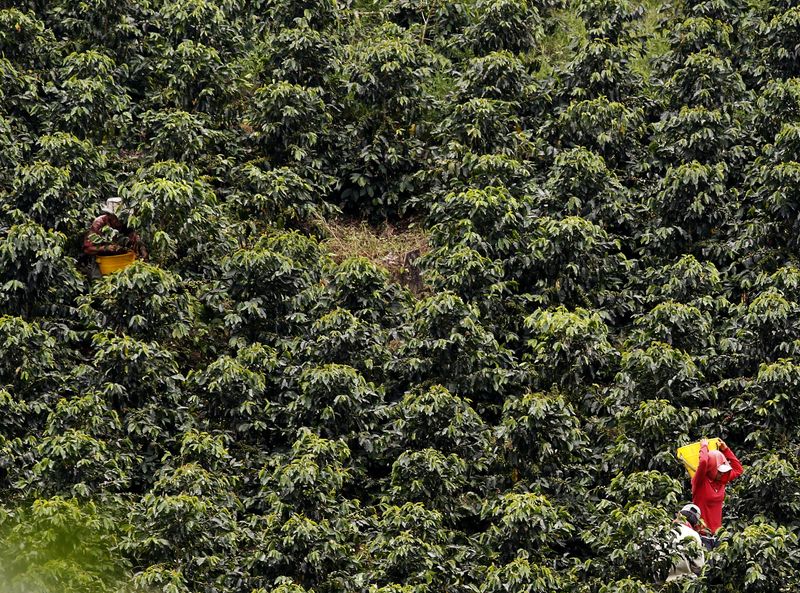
(392, 247)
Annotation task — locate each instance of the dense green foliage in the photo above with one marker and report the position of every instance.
(610, 189)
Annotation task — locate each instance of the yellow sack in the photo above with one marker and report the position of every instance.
(690, 454)
(112, 263)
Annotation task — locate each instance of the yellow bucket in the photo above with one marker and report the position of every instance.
(690, 454)
(112, 263)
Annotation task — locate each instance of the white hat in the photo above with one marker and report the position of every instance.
(112, 205)
(724, 467)
(692, 513)
(692, 508)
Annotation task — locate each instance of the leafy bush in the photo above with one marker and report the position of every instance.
(587, 258)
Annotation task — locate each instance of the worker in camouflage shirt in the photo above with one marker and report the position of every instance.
(108, 235)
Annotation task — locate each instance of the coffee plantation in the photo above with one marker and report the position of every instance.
(604, 205)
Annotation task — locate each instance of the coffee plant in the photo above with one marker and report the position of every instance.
(604, 199)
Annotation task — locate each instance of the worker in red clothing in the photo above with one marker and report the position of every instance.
(714, 470)
(108, 235)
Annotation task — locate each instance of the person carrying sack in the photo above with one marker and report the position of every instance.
(715, 470)
(108, 235)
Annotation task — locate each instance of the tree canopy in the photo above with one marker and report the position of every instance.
(607, 192)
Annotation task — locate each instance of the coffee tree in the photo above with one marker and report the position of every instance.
(434, 292)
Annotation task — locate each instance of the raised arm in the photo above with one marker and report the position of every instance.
(736, 466)
(702, 464)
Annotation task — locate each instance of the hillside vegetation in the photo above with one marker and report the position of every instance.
(435, 290)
